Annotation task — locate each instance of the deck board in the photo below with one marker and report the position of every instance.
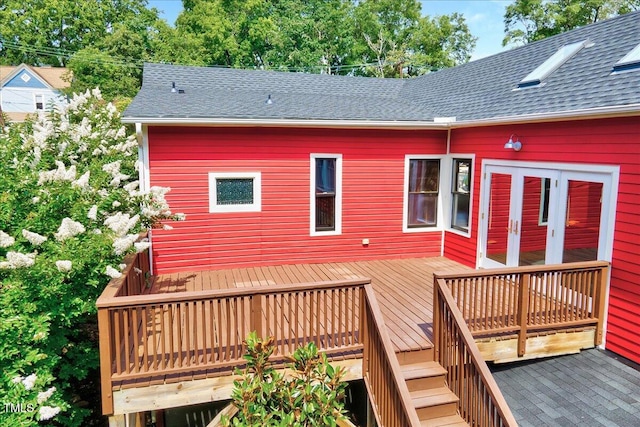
(403, 287)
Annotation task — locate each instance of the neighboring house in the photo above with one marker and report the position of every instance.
(26, 90)
(527, 157)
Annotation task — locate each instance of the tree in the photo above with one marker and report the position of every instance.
(392, 39)
(368, 37)
(530, 20)
(70, 209)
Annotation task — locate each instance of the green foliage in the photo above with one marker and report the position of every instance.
(70, 209)
(311, 394)
(369, 37)
(526, 21)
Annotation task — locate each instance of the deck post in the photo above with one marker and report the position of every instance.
(364, 332)
(435, 323)
(256, 314)
(601, 279)
(104, 337)
(523, 304)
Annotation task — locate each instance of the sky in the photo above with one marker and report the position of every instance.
(484, 17)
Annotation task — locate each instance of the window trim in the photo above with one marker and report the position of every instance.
(454, 192)
(405, 197)
(450, 172)
(256, 206)
(312, 195)
(35, 101)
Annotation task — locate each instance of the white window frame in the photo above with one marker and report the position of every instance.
(450, 171)
(256, 206)
(312, 195)
(441, 189)
(35, 101)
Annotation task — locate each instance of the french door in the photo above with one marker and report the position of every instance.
(534, 216)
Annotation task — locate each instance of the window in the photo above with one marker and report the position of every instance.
(422, 182)
(326, 194)
(461, 194)
(554, 62)
(39, 102)
(544, 201)
(235, 192)
(631, 61)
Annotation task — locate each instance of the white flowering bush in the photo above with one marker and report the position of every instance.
(70, 209)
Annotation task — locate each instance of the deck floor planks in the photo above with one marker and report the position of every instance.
(404, 288)
(404, 331)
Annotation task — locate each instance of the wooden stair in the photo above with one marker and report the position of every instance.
(435, 404)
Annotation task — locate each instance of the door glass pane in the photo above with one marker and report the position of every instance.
(498, 223)
(533, 231)
(582, 221)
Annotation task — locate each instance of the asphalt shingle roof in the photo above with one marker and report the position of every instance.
(591, 389)
(233, 93)
(482, 89)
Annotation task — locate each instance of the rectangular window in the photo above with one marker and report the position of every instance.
(235, 192)
(461, 194)
(39, 102)
(544, 201)
(326, 194)
(422, 191)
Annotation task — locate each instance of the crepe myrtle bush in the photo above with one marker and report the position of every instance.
(70, 210)
(310, 393)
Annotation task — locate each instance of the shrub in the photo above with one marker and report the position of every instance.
(70, 209)
(310, 394)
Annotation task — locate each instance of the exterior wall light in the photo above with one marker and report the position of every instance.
(513, 145)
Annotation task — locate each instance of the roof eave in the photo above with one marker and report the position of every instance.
(307, 123)
(582, 114)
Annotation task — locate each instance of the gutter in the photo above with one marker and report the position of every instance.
(304, 123)
(583, 114)
(438, 122)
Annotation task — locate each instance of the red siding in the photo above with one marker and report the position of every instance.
(604, 141)
(373, 180)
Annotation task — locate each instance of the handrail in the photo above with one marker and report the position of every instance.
(481, 402)
(146, 336)
(534, 298)
(381, 371)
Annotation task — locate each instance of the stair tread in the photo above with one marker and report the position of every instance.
(448, 421)
(422, 370)
(432, 397)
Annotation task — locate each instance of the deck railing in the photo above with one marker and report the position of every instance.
(531, 299)
(481, 403)
(385, 384)
(151, 335)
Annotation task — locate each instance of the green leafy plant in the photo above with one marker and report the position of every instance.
(309, 393)
(70, 210)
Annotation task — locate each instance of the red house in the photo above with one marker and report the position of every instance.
(526, 158)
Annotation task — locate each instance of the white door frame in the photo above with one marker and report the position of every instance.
(606, 174)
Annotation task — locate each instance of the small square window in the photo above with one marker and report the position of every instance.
(235, 192)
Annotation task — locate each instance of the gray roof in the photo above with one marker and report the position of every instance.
(592, 388)
(241, 94)
(479, 90)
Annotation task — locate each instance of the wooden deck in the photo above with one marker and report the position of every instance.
(403, 287)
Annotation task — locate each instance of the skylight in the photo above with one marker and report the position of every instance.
(554, 62)
(630, 61)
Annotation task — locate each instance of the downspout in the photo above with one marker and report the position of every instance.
(143, 174)
(448, 204)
